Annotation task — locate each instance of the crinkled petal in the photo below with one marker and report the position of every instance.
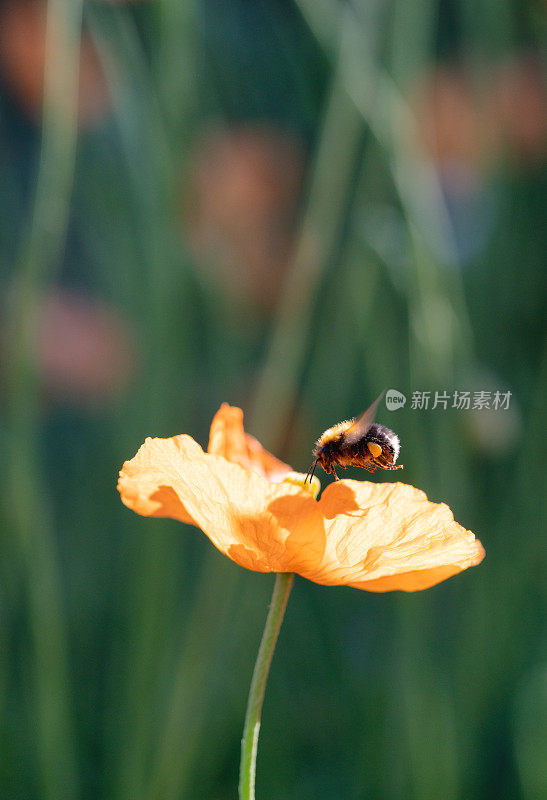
(384, 536)
(145, 481)
(227, 438)
(263, 526)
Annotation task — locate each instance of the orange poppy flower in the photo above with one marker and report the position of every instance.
(374, 536)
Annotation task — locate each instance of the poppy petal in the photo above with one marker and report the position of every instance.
(145, 481)
(385, 536)
(227, 438)
(263, 526)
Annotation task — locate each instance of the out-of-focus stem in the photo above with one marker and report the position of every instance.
(30, 522)
(326, 207)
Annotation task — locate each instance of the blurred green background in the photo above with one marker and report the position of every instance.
(288, 205)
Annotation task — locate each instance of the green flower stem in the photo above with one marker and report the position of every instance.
(249, 743)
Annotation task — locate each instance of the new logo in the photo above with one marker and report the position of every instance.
(394, 399)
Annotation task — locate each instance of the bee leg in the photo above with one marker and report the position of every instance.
(336, 478)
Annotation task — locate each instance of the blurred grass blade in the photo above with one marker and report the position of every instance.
(159, 272)
(28, 508)
(329, 191)
(183, 727)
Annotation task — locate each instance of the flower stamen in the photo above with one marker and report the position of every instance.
(311, 485)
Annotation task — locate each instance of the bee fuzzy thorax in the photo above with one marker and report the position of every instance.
(332, 434)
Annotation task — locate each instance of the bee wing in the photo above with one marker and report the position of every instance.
(361, 425)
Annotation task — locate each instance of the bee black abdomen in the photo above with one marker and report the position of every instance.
(387, 440)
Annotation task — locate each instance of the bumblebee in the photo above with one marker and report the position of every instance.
(359, 442)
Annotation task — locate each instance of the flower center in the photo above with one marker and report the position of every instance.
(312, 486)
